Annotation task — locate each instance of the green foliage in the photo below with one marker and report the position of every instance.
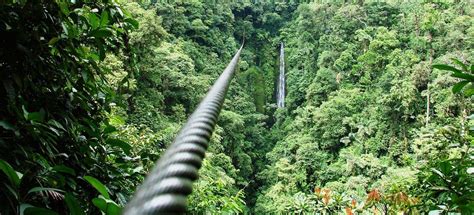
(465, 74)
(448, 178)
(73, 205)
(98, 186)
(11, 174)
(55, 101)
(215, 191)
(362, 127)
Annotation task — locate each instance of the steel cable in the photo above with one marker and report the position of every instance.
(166, 187)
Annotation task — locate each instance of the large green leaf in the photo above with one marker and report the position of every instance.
(73, 205)
(107, 206)
(458, 87)
(100, 33)
(34, 116)
(10, 173)
(64, 7)
(98, 186)
(445, 67)
(463, 76)
(100, 203)
(469, 90)
(132, 22)
(109, 129)
(93, 20)
(113, 209)
(119, 143)
(104, 18)
(116, 120)
(461, 64)
(23, 207)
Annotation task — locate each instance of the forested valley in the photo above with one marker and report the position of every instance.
(376, 117)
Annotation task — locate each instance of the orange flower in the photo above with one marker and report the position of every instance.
(326, 198)
(373, 195)
(353, 203)
(317, 190)
(401, 198)
(349, 211)
(327, 191)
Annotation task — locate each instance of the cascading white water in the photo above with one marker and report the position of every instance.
(281, 79)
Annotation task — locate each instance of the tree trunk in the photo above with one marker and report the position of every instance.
(417, 26)
(463, 122)
(430, 39)
(427, 119)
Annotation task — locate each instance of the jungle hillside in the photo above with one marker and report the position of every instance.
(336, 107)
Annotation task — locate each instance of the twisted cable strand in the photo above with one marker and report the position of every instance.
(166, 187)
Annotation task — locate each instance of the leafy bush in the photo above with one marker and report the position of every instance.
(53, 121)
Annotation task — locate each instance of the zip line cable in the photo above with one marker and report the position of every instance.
(166, 187)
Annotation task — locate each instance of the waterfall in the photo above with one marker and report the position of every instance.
(281, 79)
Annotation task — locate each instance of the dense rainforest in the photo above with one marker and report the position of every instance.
(376, 119)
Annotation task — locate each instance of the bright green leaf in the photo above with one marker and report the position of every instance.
(104, 18)
(469, 91)
(445, 67)
(113, 209)
(458, 87)
(107, 206)
(461, 64)
(98, 186)
(93, 20)
(100, 203)
(463, 76)
(116, 120)
(64, 7)
(10, 173)
(34, 116)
